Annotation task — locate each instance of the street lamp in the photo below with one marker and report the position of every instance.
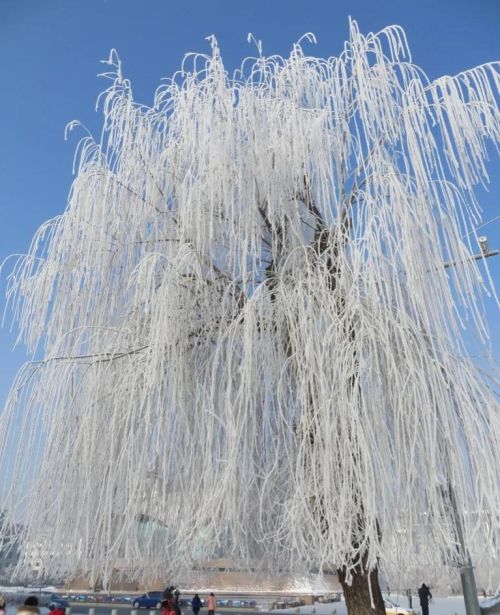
(485, 252)
(483, 244)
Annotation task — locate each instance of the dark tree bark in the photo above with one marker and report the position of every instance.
(363, 589)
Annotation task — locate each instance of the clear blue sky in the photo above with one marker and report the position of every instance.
(49, 58)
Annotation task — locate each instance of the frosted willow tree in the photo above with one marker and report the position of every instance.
(249, 344)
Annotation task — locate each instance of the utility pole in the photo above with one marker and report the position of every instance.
(467, 578)
(466, 569)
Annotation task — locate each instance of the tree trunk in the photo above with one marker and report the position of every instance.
(358, 597)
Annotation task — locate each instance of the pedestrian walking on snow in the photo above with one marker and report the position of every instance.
(177, 606)
(168, 602)
(196, 604)
(212, 604)
(424, 595)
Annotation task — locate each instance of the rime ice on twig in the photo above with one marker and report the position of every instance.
(231, 260)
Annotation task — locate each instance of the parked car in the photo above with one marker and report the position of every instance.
(333, 597)
(392, 608)
(150, 600)
(125, 599)
(58, 602)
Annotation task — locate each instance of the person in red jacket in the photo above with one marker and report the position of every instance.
(211, 603)
(168, 602)
(56, 610)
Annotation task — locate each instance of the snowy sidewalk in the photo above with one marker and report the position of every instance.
(453, 605)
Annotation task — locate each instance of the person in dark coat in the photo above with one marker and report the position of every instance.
(177, 606)
(424, 595)
(196, 604)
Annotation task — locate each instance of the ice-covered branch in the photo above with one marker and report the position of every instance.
(264, 255)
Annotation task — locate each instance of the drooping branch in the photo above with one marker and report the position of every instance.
(270, 322)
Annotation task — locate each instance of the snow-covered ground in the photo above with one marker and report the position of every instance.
(453, 605)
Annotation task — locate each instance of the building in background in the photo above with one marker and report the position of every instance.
(9, 553)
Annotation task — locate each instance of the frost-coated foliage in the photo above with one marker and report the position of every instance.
(250, 345)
